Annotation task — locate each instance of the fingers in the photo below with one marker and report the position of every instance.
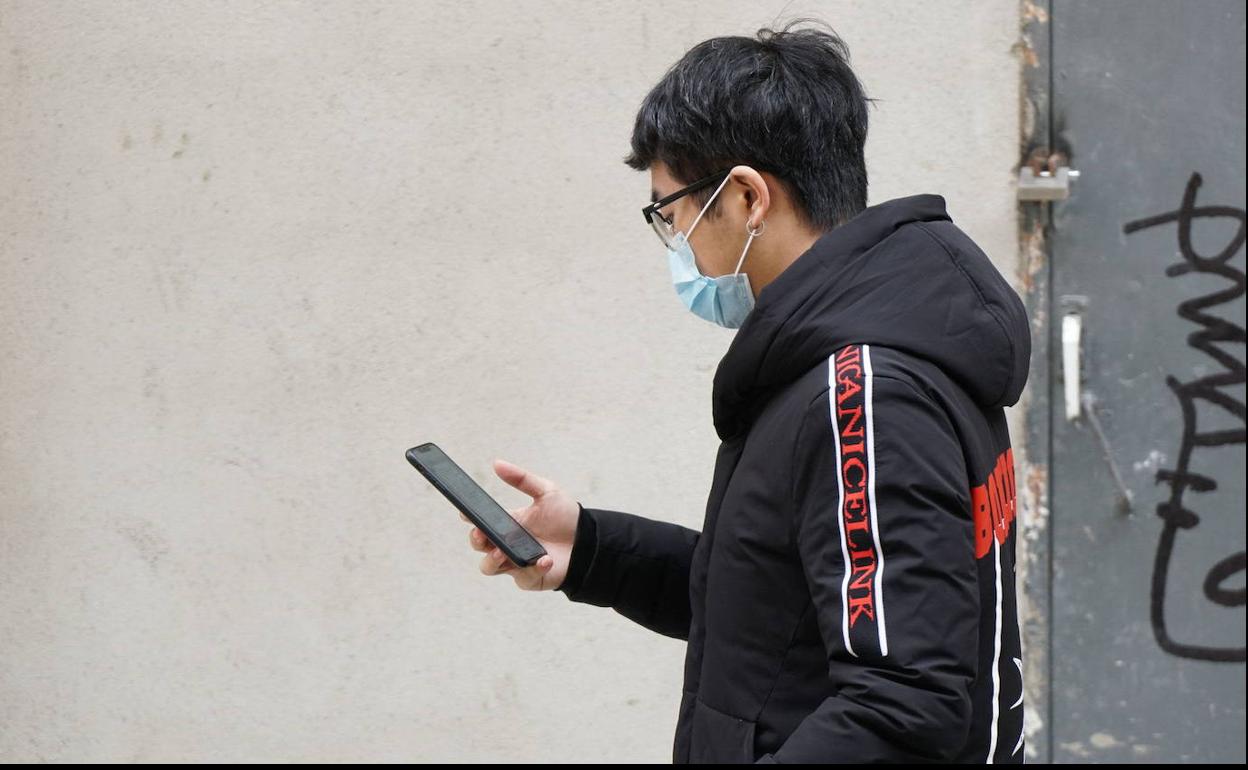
(495, 562)
(526, 481)
(478, 541)
(531, 578)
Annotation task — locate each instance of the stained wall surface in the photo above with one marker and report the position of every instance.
(251, 252)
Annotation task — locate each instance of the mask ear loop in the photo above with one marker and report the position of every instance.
(707, 206)
(761, 226)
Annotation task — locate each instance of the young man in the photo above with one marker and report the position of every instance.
(851, 594)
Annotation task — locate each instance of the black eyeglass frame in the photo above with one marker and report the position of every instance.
(654, 216)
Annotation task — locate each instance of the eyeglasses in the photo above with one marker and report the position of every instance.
(662, 224)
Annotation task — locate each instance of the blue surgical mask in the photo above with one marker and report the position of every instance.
(725, 300)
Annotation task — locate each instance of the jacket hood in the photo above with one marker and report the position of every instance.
(900, 274)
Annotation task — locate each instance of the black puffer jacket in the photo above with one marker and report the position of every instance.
(851, 595)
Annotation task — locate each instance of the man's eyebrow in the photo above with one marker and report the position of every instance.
(654, 196)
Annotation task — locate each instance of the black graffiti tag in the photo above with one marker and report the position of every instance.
(1182, 478)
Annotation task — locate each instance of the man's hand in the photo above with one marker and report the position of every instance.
(551, 518)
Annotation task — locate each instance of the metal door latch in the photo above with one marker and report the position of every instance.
(1045, 177)
(1046, 186)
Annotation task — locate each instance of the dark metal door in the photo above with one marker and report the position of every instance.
(1147, 513)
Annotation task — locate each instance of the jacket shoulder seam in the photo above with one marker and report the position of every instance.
(797, 442)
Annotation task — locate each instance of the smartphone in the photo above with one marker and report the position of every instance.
(468, 496)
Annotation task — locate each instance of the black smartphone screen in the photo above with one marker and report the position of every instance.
(468, 496)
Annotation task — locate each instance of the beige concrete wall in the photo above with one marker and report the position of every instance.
(251, 252)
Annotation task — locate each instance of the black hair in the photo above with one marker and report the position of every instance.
(785, 102)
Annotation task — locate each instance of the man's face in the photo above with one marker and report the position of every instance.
(712, 240)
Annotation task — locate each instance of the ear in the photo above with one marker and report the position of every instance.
(757, 193)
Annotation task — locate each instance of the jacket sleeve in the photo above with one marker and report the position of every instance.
(637, 566)
(885, 534)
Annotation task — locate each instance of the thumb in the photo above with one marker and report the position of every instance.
(526, 481)
(544, 566)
